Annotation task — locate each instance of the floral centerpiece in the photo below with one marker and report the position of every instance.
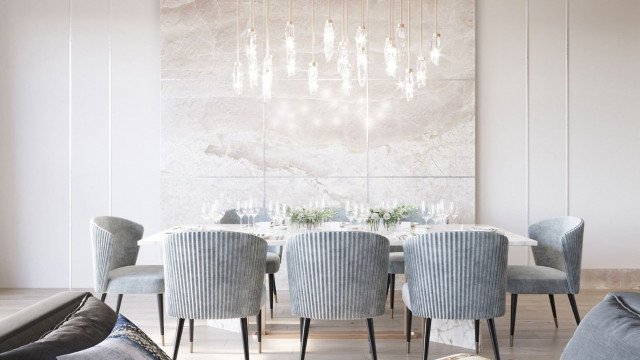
(311, 218)
(389, 218)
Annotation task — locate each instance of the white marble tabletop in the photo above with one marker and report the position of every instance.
(279, 235)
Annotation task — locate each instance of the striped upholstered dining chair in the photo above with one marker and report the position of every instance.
(337, 275)
(274, 252)
(214, 275)
(457, 275)
(115, 250)
(558, 258)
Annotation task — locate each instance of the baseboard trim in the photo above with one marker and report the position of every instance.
(610, 279)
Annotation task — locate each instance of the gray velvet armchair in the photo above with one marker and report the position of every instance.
(558, 259)
(214, 275)
(115, 250)
(337, 275)
(455, 275)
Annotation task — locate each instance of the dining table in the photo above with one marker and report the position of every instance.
(452, 332)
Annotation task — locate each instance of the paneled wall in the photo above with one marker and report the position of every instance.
(371, 146)
(559, 123)
(80, 132)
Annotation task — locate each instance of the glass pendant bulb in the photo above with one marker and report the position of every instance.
(343, 57)
(251, 47)
(346, 79)
(329, 40)
(290, 46)
(401, 36)
(421, 72)
(267, 78)
(361, 37)
(362, 65)
(253, 72)
(313, 78)
(435, 49)
(238, 77)
(409, 84)
(390, 58)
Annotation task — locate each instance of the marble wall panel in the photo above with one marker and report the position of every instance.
(368, 147)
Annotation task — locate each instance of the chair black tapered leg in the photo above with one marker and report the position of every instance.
(191, 326)
(477, 333)
(388, 282)
(494, 338)
(245, 337)
(118, 303)
(426, 334)
(392, 289)
(407, 321)
(305, 337)
(301, 328)
(574, 307)
(271, 284)
(259, 324)
(176, 345)
(275, 289)
(161, 316)
(514, 305)
(103, 297)
(552, 301)
(372, 339)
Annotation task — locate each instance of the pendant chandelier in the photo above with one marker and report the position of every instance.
(329, 35)
(238, 76)
(397, 46)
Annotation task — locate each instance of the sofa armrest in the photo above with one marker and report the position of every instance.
(30, 324)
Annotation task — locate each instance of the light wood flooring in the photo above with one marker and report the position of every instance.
(536, 337)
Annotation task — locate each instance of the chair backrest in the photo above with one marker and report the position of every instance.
(560, 246)
(213, 274)
(337, 275)
(457, 274)
(114, 243)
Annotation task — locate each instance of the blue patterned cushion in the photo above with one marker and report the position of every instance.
(126, 341)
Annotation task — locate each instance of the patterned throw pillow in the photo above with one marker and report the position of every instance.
(126, 341)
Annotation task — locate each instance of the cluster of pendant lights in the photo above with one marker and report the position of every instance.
(397, 48)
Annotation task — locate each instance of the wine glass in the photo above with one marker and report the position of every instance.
(427, 211)
(455, 212)
(241, 210)
(217, 212)
(206, 212)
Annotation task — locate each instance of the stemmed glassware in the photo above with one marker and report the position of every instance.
(206, 213)
(427, 211)
(242, 210)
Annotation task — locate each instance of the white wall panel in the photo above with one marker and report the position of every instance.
(34, 157)
(501, 127)
(136, 156)
(605, 129)
(90, 124)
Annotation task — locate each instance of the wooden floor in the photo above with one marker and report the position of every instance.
(536, 336)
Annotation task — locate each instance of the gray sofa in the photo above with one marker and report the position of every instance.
(611, 330)
(62, 324)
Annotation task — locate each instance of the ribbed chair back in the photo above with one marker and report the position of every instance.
(337, 275)
(457, 274)
(114, 244)
(560, 246)
(213, 274)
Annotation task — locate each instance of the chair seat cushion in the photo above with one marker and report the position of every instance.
(136, 279)
(523, 279)
(396, 263)
(273, 263)
(405, 296)
(611, 330)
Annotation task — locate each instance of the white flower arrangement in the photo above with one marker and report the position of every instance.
(389, 218)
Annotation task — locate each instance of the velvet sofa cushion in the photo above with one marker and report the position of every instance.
(90, 323)
(126, 342)
(611, 330)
